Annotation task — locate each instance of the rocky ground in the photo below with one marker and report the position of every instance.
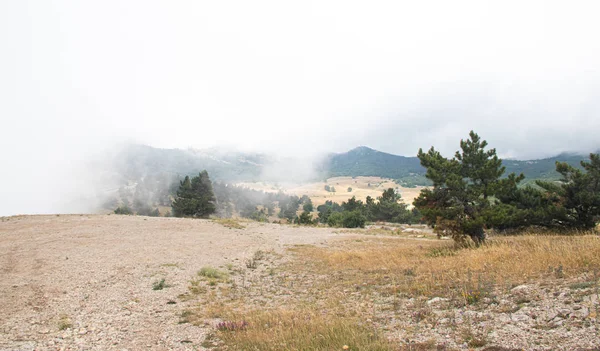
(80, 282)
(87, 282)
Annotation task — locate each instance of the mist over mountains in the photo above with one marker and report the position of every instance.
(137, 161)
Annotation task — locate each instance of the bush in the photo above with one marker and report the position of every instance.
(210, 272)
(335, 219)
(347, 219)
(123, 210)
(354, 219)
(305, 218)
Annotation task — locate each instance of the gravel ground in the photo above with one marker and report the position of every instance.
(85, 282)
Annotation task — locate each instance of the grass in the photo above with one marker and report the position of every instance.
(229, 223)
(302, 330)
(159, 285)
(212, 273)
(258, 256)
(64, 322)
(171, 265)
(326, 298)
(439, 267)
(582, 285)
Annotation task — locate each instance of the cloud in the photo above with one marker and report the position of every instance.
(293, 78)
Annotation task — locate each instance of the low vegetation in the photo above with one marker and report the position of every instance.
(159, 285)
(64, 322)
(212, 273)
(343, 297)
(304, 329)
(434, 268)
(229, 223)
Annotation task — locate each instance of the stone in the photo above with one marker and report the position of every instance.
(436, 300)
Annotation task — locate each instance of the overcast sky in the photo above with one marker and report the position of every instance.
(301, 76)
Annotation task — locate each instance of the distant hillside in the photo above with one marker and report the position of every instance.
(543, 168)
(138, 161)
(364, 161)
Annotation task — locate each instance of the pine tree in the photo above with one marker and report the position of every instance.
(462, 188)
(195, 197)
(578, 194)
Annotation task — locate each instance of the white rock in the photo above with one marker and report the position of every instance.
(436, 300)
(520, 288)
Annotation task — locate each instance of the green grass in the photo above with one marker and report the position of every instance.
(212, 273)
(159, 285)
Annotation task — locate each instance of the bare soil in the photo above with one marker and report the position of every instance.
(86, 282)
(75, 282)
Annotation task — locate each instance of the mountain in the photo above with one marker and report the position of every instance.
(543, 168)
(138, 161)
(364, 161)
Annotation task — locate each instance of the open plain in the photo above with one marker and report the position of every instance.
(107, 282)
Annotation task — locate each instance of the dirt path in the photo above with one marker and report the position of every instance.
(92, 275)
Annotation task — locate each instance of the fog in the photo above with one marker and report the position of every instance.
(294, 79)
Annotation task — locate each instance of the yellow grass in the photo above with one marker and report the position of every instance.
(433, 267)
(326, 298)
(302, 330)
(229, 223)
(360, 189)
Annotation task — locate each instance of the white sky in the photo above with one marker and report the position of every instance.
(296, 76)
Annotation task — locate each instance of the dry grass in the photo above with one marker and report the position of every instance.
(361, 188)
(434, 268)
(229, 223)
(64, 322)
(301, 330)
(326, 298)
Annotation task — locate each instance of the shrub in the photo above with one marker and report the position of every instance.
(354, 219)
(210, 272)
(159, 285)
(123, 210)
(347, 219)
(335, 219)
(305, 218)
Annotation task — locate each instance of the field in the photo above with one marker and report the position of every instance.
(106, 282)
(361, 188)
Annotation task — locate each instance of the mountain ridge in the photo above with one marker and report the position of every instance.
(136, 161)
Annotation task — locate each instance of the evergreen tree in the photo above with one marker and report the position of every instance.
(288, 207)
(307, 204)
(305, 218)
(195, 197)
(462, 189)
(353, 205)
(578, 194)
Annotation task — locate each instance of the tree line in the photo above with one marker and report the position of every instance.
(354, 213)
